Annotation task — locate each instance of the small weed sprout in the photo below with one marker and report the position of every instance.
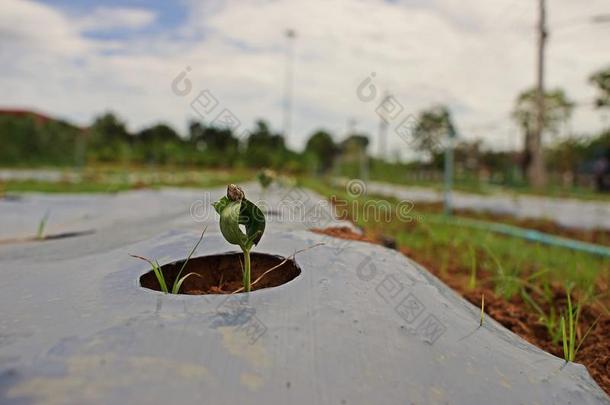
(41, 225)
(235, 210)
(265, 178)
(569, 336)
(156, 268)
(482, 309)
(550, 320)
(472, 281)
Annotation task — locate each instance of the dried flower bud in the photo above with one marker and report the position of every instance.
(235, 193)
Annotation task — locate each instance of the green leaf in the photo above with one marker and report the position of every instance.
(253, 218)
(229, 224)
(221, 204)
(236, 213)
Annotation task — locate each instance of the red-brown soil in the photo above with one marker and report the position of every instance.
(515, 314)
(221, 274)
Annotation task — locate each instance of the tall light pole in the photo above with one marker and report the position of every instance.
(536, 172)
(290, 35)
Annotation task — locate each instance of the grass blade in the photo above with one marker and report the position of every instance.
(572, 329)
(178, 284)
(496, 260)
(482, 309)
(472, 282)
(586, 334)
(160, 277)
(529, 300)
(157, 270)
(189, 256)
(564, 339)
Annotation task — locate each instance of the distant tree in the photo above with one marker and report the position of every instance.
(567, 155)
(58, 140)
(468, 154)
(219, 139)
(355, 143)
(262, 136)
(215, 146)
(601, 80)
(497, 161)
(158, 133)
(26, 140)
(159, 144)
(558, 109)
(108, 128)
(109, 139)
(433, 125)
(598, 150)
(212, 138)
(599, 143)
(19, 137)
(353, 160)
(196, 130)
(264, 148)
(322, 147)
(583, 154)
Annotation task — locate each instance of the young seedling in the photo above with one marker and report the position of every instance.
(179, 280)
(235, 210)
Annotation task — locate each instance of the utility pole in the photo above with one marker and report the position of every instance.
(448, 173)
(536, 171)
(290, 35)
(383, 130)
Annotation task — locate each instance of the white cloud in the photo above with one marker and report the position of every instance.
(474, 55)
(107, 18)
(30, 27)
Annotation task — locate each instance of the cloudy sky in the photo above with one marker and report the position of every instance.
(75, 59)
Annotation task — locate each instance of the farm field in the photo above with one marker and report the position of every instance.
(525, 284)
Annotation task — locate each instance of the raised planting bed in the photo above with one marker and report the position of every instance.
(516, 314)
(361, 324)
(327, 321)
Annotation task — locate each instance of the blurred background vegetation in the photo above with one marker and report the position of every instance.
(576, 162)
